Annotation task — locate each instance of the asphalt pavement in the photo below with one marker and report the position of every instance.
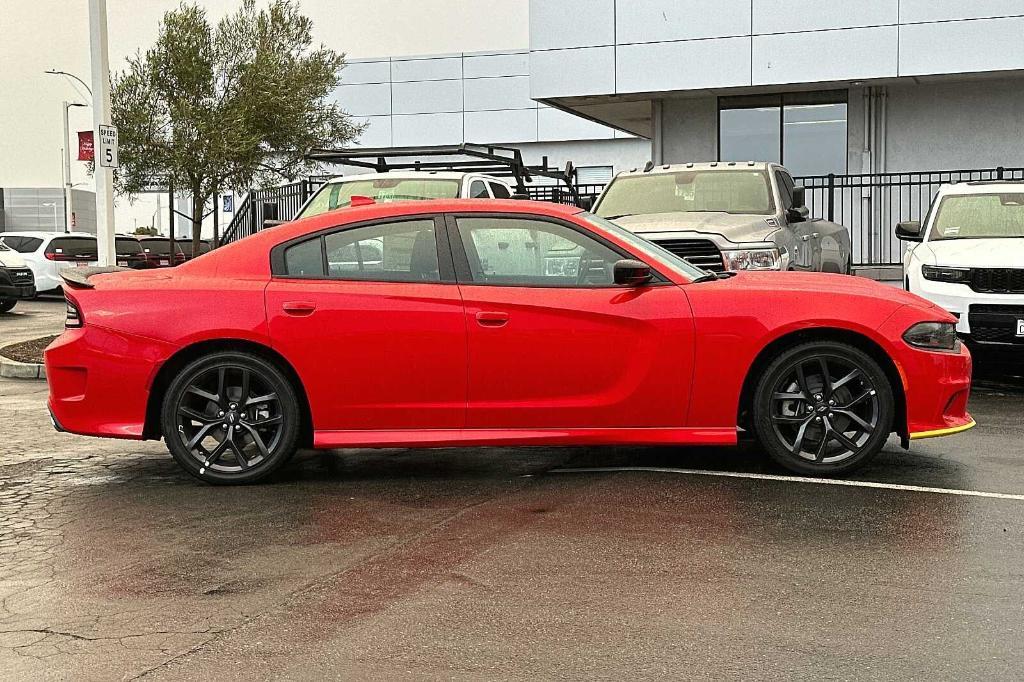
(512, 563)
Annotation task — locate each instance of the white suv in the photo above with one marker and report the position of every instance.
(968, 257)
(48, 253)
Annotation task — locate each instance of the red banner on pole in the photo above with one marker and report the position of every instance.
(85, 147)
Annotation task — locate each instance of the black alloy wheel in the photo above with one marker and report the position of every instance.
(823, 408)
(7, 304)
(231, 418)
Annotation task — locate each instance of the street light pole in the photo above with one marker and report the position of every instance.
(67, 166)
(101, 117)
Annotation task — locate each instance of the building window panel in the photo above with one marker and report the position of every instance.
(753, 134)
(807, 131)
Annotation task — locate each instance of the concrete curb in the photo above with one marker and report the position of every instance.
(12, 369)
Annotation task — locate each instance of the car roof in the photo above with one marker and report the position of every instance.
(40, 234)
(708, 165)
(982, 187)
(411, 175)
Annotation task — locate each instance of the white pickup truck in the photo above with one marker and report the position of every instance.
(16, 279)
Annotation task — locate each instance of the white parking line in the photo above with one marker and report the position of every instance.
(794, 479)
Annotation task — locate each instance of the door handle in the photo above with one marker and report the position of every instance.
(298, 308)
(492, 319)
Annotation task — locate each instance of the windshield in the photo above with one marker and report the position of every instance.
(339, 194)
(657, 253)
(979, 216)
(725, 191)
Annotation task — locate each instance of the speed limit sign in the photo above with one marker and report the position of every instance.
(107, 148)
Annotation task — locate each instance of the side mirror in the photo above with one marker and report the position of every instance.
(909, 231)
(586, 203)
(632, 273)
(799, 197)
(799, 212)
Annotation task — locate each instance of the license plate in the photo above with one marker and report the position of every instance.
(81, 265)
(1020, 327)
(165, 262)
(122, 263)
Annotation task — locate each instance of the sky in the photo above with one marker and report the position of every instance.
(54, 34)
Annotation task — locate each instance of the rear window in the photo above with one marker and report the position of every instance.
(22, 244)
(160, 247)
(128, 247)
(73, 247)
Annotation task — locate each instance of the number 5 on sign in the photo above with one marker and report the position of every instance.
(107, 147)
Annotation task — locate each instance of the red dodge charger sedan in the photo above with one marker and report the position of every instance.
(469, 323)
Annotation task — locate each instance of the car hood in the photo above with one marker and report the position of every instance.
(734, 227)
(823, 284)
(11, 259)
(973, 253)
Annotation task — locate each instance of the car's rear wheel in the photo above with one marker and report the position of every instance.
(231, 418)
(823, 408)
(7, 304)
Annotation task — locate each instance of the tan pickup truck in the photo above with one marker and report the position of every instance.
(727, 216)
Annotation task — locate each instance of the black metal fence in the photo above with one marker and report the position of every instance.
(560, 194)
(870, 205)
(273, 203)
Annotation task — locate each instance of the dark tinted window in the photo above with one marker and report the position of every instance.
(22, 244)
(159, 246)
(500, 191)
(305, 259)
(786, 185)
(126, 246)
(392, 252)
(478, 190)
(73, 247)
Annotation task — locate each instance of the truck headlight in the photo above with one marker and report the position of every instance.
(933, 336)
(940, 274)
(752, 259)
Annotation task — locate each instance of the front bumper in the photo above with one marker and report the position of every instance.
(13, 291)
(959, 299)
(936, 385)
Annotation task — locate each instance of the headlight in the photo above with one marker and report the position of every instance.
(933, 336)
(938, 274)
(752, 259)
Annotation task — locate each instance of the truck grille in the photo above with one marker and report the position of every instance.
(997, 280)
(701, 252)
(995, 323)
(21, 276)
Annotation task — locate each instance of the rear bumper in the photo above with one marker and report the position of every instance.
(99, 381)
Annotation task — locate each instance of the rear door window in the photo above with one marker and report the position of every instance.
(500, 191)
(478, 190)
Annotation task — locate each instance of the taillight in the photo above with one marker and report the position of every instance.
(73, 320)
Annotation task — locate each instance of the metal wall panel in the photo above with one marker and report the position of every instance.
(646, 21)
(787, 16)
(565, 73)
(488, 94)
(558, 24)
(426, 97)
(682, 65)
(913, 11)
(841, 55)
(967, 46)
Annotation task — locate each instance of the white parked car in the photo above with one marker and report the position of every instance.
(48, 253)
(968, 257)
(15, 279)
(404, 186)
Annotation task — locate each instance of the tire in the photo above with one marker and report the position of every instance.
(232, 442)
(801, 430)
(7, 304)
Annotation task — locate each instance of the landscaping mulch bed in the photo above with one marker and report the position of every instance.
(28, 351)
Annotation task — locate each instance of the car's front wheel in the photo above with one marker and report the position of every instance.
(7, 304)
(231, 418)
(823, 408)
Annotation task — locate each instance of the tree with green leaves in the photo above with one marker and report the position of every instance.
(236, 105)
